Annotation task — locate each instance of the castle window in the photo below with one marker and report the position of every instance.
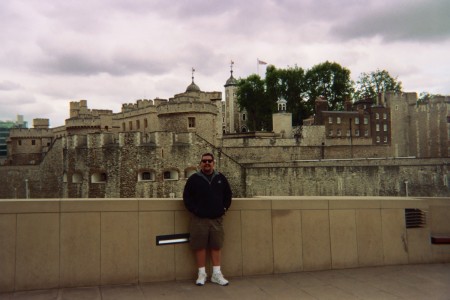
(338, 132)
(189, 171)
(357, 120)
(385, 139)
(348, 132)
(396, 107)
(378, 127)
(77, 178)
(338, 120)
(378, 139)
(123, 126)
(330, 132)
(99, 177)
(330, 120)
(366, 120)
(377, 116)
(170, 175)
(146, 176)
(385, 127)
(385, 116)
(19, 142)
(356, 132)
(243, 117)
(191, 122)
(33, 142)
(145, 123)
(138, 124)
(130, 124)
(366, 132)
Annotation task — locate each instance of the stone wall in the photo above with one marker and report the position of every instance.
(267, 170)
(123, 159)
(375, 177)
(418, 128)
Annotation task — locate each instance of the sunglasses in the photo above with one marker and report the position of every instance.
(207, 161)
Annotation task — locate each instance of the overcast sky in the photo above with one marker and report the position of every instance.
(111, 52)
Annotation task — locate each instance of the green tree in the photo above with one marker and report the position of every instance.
(251, 96)
(294, 91)
(370, 85)
(426, 97)
(331, 81)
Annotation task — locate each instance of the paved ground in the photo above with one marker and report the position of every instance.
(410, 282)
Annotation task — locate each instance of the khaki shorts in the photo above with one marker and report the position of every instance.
(206, 233)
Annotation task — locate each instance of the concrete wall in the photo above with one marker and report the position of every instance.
(68, 243)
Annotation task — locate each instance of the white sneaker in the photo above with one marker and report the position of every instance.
(201, 279)
(219, 279)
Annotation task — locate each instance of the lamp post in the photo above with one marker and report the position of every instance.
(27, 192)
(406, 188)
(351, 140)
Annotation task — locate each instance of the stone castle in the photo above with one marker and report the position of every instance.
(394, 145)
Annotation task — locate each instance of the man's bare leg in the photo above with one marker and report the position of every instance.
(200, 256)
(215, 257)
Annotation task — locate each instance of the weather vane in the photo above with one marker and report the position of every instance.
(193, 71)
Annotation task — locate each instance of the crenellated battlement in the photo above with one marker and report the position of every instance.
(123, 139)
(393, 98)
(30, 133)
(80, 110)
(41, 123)
(187, 107)
(197, 96)
(141, 103)
(83, 122)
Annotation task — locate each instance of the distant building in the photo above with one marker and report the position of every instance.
(5, 128)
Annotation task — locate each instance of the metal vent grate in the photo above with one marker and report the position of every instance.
(415, 218)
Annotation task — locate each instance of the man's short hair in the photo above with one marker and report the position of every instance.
(208, 154)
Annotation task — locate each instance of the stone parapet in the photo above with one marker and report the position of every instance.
(187, 107)
(61, 243)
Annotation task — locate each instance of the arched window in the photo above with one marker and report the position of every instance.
(77, 178)
(170, 174)
(98, 177)
(189, 171)
(147, 175)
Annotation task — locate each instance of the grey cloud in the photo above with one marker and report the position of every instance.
(87, 64)
(7, 85)
(178, 9)
(427, 20)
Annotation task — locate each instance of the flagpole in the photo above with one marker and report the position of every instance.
(257, 66)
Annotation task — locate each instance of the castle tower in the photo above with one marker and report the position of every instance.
(282, 121)
(234, 119)
(193, 111)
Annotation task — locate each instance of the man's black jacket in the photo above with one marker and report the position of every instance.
(207, 199)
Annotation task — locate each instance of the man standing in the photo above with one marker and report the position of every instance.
(207, 195)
